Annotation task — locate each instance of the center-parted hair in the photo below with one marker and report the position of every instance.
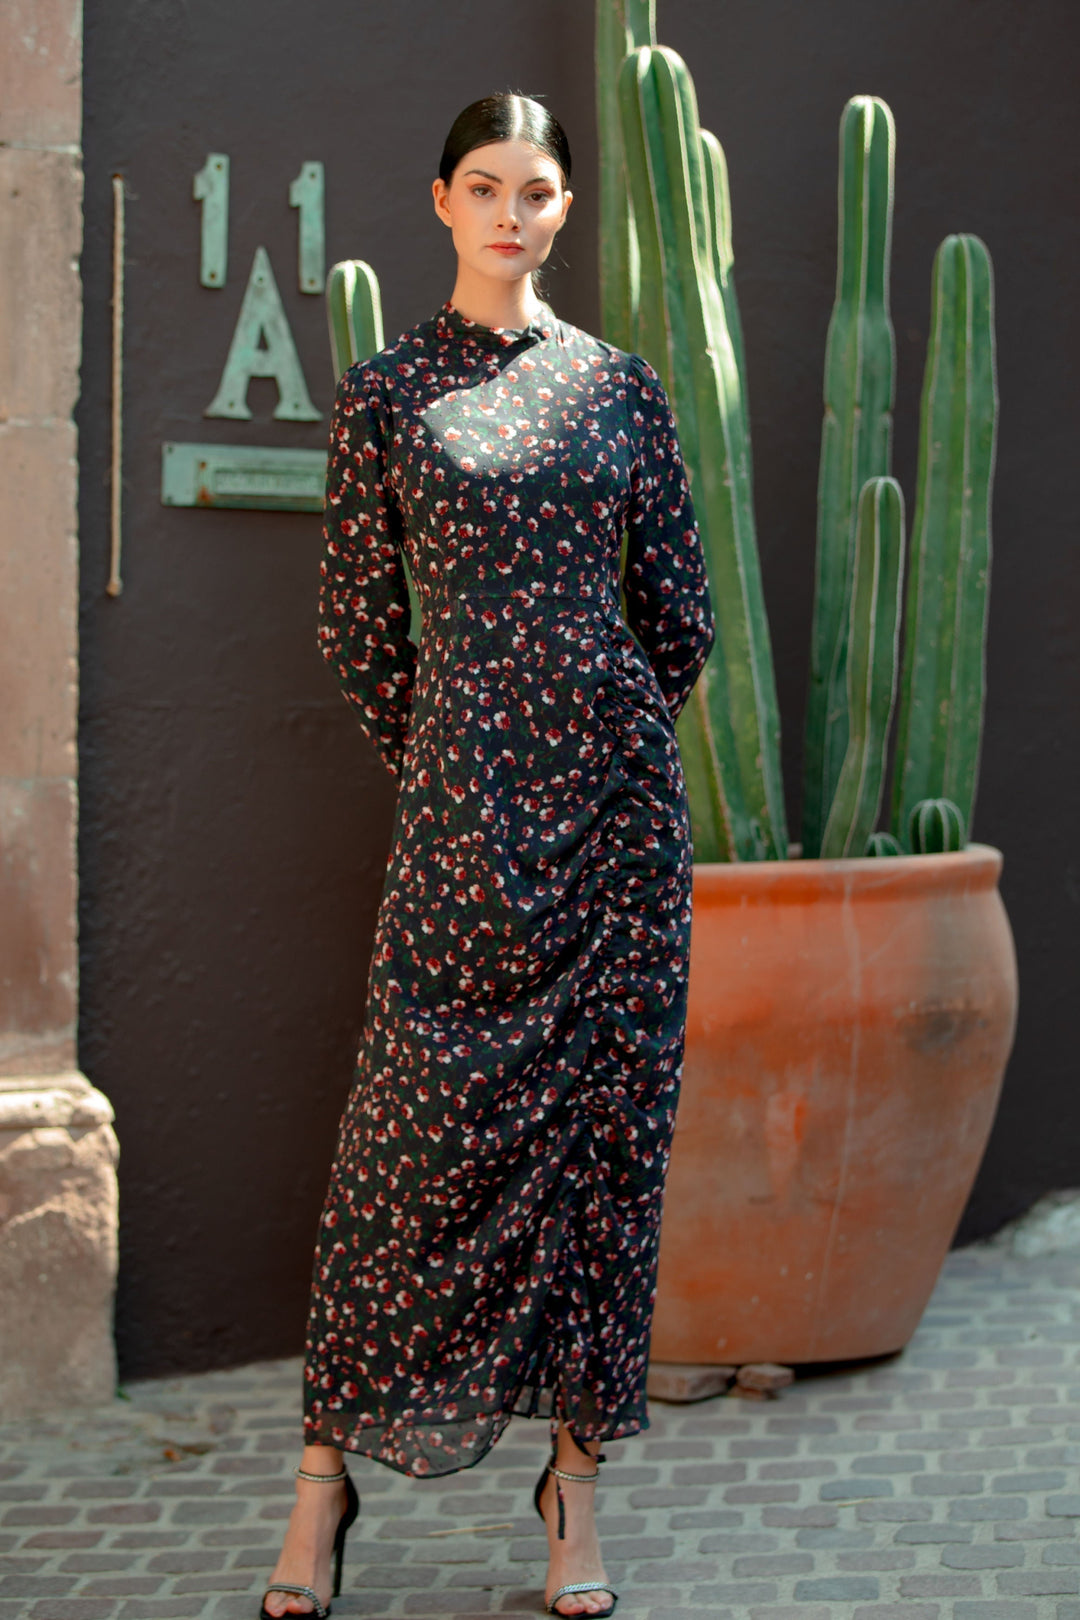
(505, 117)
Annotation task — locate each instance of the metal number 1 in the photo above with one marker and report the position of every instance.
(306, 193)
(211, 188)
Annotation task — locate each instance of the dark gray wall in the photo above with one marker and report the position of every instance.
(234, 820)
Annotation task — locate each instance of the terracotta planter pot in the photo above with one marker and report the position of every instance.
(848, 1028)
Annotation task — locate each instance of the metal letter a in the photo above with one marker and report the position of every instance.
(262, 346)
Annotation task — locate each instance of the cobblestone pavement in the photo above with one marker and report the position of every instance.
(942, 1484)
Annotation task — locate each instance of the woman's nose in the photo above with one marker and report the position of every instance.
(508, 218)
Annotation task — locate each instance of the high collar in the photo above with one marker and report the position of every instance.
(452, 325)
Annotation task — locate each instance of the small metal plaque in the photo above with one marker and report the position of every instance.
(230, 475)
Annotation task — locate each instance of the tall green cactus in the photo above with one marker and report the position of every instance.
(621, 26)
(873, 640)
(856, 441)
(718, 203)
(944, 673)
(676, 261)
(730, 726)
(353, 313)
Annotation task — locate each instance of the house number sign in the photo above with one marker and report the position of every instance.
(262, 345)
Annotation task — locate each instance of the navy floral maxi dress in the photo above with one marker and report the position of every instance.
(489, 1240)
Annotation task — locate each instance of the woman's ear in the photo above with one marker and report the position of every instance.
(568, 197)
(439, 191)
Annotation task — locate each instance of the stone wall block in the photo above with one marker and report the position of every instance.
(58, 1213)
(40, 294)
(38, 562)
(38, 964)
(58, 1194)
(40, 72)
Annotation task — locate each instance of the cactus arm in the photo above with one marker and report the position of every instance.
(619, 266)
(943, 680)
(883, 843)
(712, 829)
(740, 684)
(338, 313)
(353, 313)
(640, 23)
(871, 666)
(714, 165)
(662, 336)
(718, 200)
(936, 827)
(690, 345)
(621, 26)
(856, 434)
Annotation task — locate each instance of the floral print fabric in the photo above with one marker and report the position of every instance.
(489, 1240)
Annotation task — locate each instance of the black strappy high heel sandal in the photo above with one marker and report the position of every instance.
(320, 1610)
(582, 1479)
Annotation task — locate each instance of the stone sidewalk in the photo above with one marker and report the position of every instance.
(943, 1484)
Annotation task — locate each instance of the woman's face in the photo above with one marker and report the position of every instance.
(504, 204)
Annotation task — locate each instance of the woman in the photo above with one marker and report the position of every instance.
(488, 1243)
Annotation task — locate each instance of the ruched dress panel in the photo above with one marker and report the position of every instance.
(489, 1239)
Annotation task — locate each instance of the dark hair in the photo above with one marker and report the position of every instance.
(505, 117)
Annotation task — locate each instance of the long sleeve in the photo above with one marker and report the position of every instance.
(364, 608)
(667, 590)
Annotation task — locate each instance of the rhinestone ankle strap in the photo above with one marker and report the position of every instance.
(583, 1479)
(321, 1479)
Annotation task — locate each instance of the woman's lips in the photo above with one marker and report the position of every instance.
(506, 247)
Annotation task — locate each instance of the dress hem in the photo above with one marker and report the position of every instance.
(536, 1407)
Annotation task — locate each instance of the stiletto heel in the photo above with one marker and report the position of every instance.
(574, 1586)
(321, 1610)
(352, 1508)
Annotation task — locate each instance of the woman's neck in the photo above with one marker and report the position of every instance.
(512, 304)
